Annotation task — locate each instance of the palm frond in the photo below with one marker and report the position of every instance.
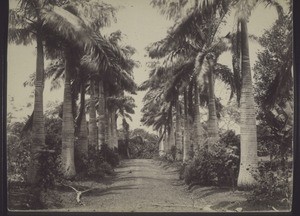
(23, 35)
(171, 9)
(226, 75)
(277, 5)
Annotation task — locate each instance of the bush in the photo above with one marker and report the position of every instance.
(97, 163)
(273, 185)
(109, 155)
(50, 162)
(142, 144)
(216, 164)
(18, 153)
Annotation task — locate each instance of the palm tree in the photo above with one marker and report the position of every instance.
(101, 113)
(92, 115)
(178, 132)
(25, 25)
(112, 83)
(249, 158)
(68, 120)
(97, 53)
(193, 35)
(187, 128)
(244, 85)
(82, 126)
(212, 127)
(121, 106)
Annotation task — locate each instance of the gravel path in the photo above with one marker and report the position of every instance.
(140, 185)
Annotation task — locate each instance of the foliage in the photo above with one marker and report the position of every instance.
(143, 144)
(274, 185)
(274, 90)
(18, 156)
(97, 163)
(216, 163)
(109, 155)
(273, 70)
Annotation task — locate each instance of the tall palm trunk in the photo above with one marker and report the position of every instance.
(82, 146)
(38, 116)
(186, 131)
(114, 132)
(68, 166)
(191, 119)
(178, 132)
(108, 128)
(212, 113)
(101, 113)
(167, 141)
(92, 115)
(161, 146)
(126, 136)
(198, 126)
(172, 138)
(248, 159)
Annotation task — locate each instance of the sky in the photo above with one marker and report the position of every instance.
(141, 25)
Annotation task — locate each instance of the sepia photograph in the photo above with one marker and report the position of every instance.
(150, 106)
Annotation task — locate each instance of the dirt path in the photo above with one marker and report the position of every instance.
(141, 185)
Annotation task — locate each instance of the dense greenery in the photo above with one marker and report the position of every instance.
(217, 164)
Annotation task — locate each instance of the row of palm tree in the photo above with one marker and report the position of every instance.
(184, 74)
(69, 33)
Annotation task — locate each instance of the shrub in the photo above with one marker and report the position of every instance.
(216, 164)
(142, 144)
(274, 185)
(18, 154)
(51, 161)
(109, 155)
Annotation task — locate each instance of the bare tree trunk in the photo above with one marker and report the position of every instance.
(38, 116)
(212, 119)
(186, 131)
(178, 133)
(92, 115)
(68, 165)
(161, 150)
(101, 113)
(167, 142)
(114, 129)
(82, 145)
(198, 126)
(172, 138)
(108, 129)
(249, 158)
